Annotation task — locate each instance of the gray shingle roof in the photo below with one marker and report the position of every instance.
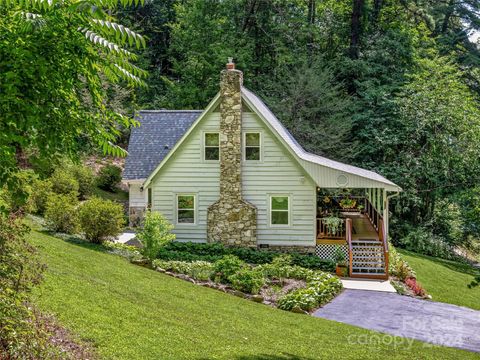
(157, 134)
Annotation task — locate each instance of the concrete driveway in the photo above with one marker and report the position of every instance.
(394, 314)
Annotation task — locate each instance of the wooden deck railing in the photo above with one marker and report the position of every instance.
(324, 231)
(372, 213)
(348, 235)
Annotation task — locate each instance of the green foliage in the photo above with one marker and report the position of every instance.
(340, 258)
(155, 234)
(100, 219)
(226, 267)
(85, 178)
(321, 288)
(38, 199)
(198, 270)
(58, 60)
(190, 251)
(423, 241)
(61, 213)
(313, 105)
(20, 270)
(63, 182)
(398, 267)
(17, 199)
(247, 280)
(109, 177)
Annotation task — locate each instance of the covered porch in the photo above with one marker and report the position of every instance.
(354, 221)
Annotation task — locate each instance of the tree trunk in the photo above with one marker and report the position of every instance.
(377, 6)
(356, 28)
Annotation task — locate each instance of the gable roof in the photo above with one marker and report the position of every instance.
(255, 102)
(315, 166)
(157, 134)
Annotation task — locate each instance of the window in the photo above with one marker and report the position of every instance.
(252, 146)
(212, 146)
(279, 210)
(186, 209)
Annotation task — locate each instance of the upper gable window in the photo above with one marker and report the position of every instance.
(252, 146)
(212, 146)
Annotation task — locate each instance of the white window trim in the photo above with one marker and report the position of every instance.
(260, 146)
(289, 210)
(195, 206)
(204, 146)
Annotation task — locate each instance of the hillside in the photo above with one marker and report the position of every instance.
(129, 312)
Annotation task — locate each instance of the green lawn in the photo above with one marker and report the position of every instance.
(129, 312)
(118, 195)
(445, 280)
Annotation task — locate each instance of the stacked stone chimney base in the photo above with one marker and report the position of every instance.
(232, 223)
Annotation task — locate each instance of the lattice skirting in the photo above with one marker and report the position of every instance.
(327, 251)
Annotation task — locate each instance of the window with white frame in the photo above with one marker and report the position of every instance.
(252, 146)
(186, 209)
(279, 210)
(212, 146)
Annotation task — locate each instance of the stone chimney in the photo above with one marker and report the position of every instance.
(231, 220)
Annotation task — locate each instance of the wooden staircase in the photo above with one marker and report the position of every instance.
(368, 258)
(368, 250)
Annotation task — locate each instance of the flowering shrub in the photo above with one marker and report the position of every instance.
(417, 289)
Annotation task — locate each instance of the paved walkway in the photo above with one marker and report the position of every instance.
(394, 314)
(367, 284)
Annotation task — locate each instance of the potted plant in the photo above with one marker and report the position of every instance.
(341, 261)
(348, 203)
(333, 225)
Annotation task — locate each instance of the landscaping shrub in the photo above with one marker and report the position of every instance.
(155, 234)
(415, 286)
(226, 267)
(189, 251)
(109, 177)
(61, 213)
(63, 182)
(20, 270)
(100, 219)
(321, 288)
(247, 280)
(199, 270)
(423, 241)
(85, 178)
(398, 267)
(41, 189)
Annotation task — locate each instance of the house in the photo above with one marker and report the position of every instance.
(233, 174)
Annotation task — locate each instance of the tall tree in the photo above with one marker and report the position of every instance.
(55, 58)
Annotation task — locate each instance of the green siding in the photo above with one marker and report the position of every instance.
(276, 173)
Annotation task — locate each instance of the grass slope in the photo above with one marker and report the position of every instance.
(119, 194)
(445, 280)
(128, 312)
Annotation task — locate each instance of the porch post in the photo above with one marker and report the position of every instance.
(385, 214)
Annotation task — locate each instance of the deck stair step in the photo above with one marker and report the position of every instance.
(368, 258)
